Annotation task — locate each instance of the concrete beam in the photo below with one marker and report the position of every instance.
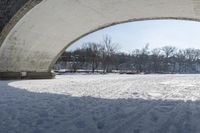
(26, 75)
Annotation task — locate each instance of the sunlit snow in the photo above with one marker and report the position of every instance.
(110, 103)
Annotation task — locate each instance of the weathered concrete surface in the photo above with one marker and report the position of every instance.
(36, 41)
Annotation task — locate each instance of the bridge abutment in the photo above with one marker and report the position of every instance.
(26, 75)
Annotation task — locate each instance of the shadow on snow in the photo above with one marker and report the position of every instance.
(28, 112)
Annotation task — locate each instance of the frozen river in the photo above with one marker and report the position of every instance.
(101, 104)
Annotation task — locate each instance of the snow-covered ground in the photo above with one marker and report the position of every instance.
(101, 104)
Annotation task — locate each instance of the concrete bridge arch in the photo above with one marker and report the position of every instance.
(31, 45)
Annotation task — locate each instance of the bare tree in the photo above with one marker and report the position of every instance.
(75, 64)
(105, 56)
(108, 49)
(181, 61)
(92, 54)
(169, 51)
(156, 51)
(141, 59)
(156, 59)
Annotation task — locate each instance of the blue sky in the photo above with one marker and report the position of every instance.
(158, 33)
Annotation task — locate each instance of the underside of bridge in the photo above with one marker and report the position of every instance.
(39, 33)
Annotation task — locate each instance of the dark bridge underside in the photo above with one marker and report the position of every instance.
(11, 11)
(8, 9)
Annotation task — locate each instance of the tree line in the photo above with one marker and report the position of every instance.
(105, 57)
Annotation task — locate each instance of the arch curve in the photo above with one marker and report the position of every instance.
(39, 38)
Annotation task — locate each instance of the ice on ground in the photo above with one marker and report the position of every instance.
(101, 104)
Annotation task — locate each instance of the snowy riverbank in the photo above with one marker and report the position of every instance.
(102, 104)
